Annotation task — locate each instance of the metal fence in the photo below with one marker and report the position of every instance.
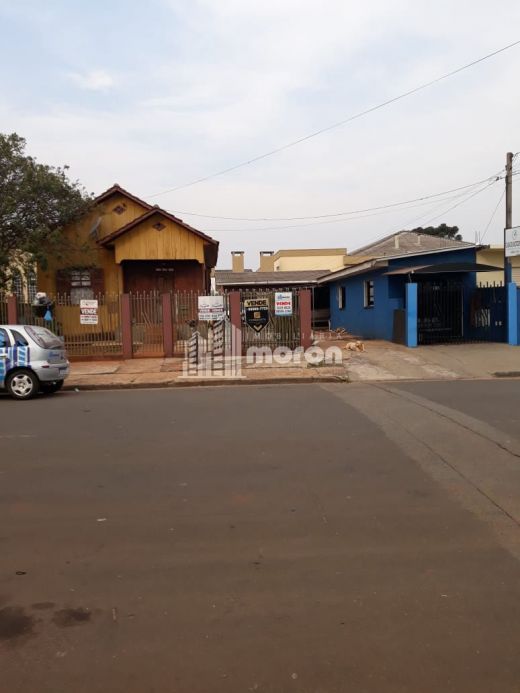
(185, 319)
(3, 310)
(451, 312)
(147, 327)
(102, 339)
(281, 331)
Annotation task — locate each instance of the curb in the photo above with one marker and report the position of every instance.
(203, 383)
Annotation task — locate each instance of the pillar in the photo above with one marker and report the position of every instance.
(126, 326)
(12, 310)
(411, 315)
(167, 324)
(305, 318)
(235, 318)
(512, 314)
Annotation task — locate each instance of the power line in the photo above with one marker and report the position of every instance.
(352, 218)
(492, 216)
(429, 219)
(339, 214)
(338, 124)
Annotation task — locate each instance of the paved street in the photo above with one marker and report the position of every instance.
(308, 538)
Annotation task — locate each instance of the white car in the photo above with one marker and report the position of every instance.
(32, 360)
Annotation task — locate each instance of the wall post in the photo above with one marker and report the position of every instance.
(126, 326)
(235, 318)
(167, 325)
(12, 310)
(411, 315)
(512, 314)
(305, 318)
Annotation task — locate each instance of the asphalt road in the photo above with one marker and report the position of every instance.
(273, 538)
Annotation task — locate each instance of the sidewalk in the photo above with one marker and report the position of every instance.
(381, 361)
(167, 372)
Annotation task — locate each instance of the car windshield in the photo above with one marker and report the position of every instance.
(43, 337)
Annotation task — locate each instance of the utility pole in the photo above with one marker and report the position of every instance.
(509, 213)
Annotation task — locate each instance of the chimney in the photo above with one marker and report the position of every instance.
(396, 241)
(237, 260)
(266, 261)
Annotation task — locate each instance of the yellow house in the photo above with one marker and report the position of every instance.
(127, 245)
(494, 255)
(302, 259)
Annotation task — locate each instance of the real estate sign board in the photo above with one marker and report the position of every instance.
(256, 313)
(283, 303)
(88, 311)
(513, 241)
(211, 308)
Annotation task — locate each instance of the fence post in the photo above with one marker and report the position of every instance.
(305, 318)
(126, 326)
(236, 323)
(512, 314)
(411, 315)
(12, 310)
(167, 325)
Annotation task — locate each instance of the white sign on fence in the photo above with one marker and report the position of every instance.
(211, 308)
(513, 241)
(88, 311)
(283, 303)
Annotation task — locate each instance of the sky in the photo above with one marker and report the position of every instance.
(155, 95)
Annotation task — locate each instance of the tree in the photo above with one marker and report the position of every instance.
(443, 231)
(36, 202)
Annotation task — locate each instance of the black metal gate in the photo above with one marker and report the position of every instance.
(450, 311)
(281, 331)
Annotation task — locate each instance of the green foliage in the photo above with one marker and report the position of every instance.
(443, 231)
(36, 202)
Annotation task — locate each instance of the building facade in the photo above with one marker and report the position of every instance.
(127, 245)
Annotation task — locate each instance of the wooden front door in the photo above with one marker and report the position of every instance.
(146, 276)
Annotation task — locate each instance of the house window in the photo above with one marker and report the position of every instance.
(80, 286)
(17, 285)
(31, 285)
(79, 283)
(341, 297)
(369, 294)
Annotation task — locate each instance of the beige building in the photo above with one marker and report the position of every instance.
(302, 259)
(494, 255)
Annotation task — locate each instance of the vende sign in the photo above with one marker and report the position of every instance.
(211, 308)
(513, 241)
(283, 303)
(88, 311)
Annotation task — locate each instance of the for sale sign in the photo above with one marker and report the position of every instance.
(88, 311)
(256, 313)
(211, 308)
(283, 303)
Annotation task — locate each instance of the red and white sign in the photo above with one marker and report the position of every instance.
(88, 311)
(283, 303)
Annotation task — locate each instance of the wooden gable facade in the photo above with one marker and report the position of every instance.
(127, 245)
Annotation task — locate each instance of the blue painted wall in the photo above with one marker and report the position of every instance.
(389, 294)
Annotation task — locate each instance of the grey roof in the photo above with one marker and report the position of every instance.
(280, 278)
(409, 243)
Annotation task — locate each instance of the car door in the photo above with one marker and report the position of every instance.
(5, 348)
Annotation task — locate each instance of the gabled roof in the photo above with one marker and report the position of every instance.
(276, 278)
(408, 243)
(116, 188)
(147, 215)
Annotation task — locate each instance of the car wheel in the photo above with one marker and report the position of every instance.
(51, 388)
(22, 384)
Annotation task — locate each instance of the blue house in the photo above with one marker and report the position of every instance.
(413, 274)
